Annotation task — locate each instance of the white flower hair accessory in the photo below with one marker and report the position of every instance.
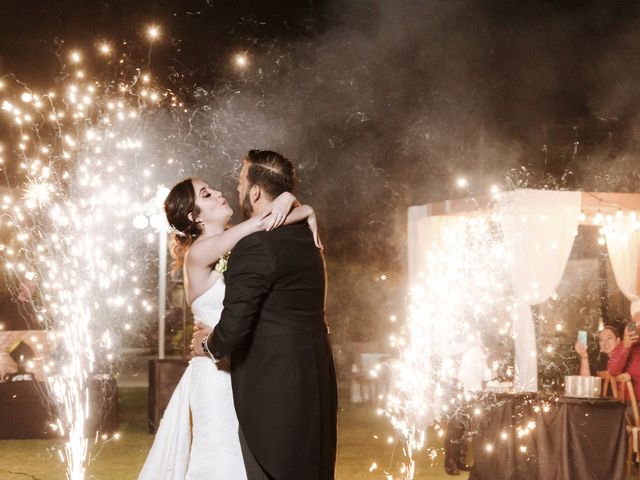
(177, 232)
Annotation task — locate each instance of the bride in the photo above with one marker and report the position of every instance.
(198, 435)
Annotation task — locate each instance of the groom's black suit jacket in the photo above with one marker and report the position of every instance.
(282, 369)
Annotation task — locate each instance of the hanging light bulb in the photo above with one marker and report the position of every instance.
(597, 220)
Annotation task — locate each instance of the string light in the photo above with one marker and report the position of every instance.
(597, 220)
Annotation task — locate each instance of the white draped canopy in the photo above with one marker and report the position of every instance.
(538, 228)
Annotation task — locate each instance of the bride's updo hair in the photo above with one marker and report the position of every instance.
(181, 202)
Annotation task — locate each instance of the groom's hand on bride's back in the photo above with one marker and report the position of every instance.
(199, 332)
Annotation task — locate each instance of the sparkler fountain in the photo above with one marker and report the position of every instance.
(459, 292)
(474, 279)
(79, 153)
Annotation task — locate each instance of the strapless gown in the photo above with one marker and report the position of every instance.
(198, 435)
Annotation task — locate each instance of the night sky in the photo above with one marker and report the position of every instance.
(438, 88)
(381, 104)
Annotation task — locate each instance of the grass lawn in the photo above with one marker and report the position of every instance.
(121, 459)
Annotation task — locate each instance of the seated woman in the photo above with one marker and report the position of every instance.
(625, 357)
(608, 338)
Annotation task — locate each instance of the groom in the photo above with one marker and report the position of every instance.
(273, 325)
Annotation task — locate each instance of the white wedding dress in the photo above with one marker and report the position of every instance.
(198, 434)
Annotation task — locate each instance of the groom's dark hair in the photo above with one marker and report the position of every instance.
(271, 171)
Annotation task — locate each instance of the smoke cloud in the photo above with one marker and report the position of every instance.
(383, 104)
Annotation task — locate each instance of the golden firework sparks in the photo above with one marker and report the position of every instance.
(37, 192)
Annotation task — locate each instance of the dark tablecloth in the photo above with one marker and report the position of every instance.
(27, 411)
(573, 439)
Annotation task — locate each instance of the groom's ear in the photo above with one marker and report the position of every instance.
(255, 193)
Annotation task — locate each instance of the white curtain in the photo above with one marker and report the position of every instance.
(539, 228)
(414, 247)
(440, 328)
(430, 236)
(623, 242)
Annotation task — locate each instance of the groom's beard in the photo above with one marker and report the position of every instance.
(247, 208)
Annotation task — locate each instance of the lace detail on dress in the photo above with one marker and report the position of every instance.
(205, 391)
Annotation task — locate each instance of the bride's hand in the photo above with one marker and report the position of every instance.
(262, 221)
(313, 225)
(279, 209)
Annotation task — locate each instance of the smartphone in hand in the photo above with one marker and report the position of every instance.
(582, 337)
(632, 328)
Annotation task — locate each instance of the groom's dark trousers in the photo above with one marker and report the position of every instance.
(282, 370)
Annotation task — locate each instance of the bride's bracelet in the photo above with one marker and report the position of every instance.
(205, 347)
